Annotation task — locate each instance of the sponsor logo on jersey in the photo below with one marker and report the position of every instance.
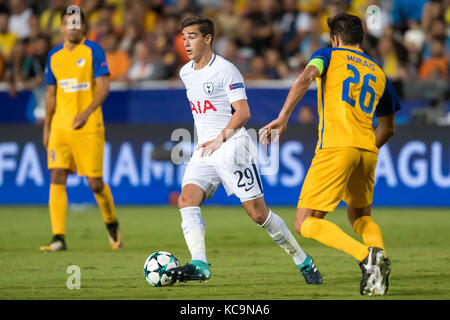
(202, 107)
(236, 85)
(208, 87)
(72, 85)
(81, 63)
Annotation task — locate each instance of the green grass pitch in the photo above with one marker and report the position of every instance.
(246, 263)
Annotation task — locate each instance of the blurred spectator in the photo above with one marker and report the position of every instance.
(34, 64)
(91, 10)
(33, 71)
(228, 21)
(50, 20)
(231, 52)
(213, 4)
(7, 38)
(391, 56)
(162, 41)
(407, 13)
(18, 20)
(132, 35)
(13, 71)
(438, 29)
(245, 40)
(181, 7)
(35, 30)
(3, 6)
(313, 40)
(432, 10)
(330, 9)
(306, 115)
(104, 24)
(118, 61)
(263, 14)
(309, 6)
(257, 69)
(265, 39)
(292, 27)
(276, 68)
(146, 66)
(138, 11)
(436, 67)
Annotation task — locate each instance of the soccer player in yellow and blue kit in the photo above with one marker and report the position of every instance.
(351, 89)
(77, 79)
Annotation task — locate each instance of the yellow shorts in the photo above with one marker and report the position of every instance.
(339, 174)
(77, 152)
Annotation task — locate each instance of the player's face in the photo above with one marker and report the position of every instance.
(194, 42)
(71, 32)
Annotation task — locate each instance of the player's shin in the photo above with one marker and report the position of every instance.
(369, 231)
(279, 232)
(332, 236)
(58, 208)
(105, 203)
(194, 228)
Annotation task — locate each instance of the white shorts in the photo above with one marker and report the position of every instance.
(234, 165)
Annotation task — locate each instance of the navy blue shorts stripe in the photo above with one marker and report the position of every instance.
(258, 179)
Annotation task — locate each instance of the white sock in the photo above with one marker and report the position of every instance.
(277, 229)
(194, 228)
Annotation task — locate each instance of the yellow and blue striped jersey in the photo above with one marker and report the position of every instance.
(73, 73)
(351, 88)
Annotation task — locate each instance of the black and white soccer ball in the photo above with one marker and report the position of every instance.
(156, 267)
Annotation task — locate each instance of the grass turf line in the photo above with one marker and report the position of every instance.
(246, 263)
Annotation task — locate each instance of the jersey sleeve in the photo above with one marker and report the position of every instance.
(99, 63)
(389, 102)
(49, 76)
(320, 59)
(233, 83)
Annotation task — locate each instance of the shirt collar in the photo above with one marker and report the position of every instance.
(351, 48)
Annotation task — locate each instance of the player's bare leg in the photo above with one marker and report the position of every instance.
(58, 210)
(193, 225)
(105, 202)
(361, 221)
(278, 231)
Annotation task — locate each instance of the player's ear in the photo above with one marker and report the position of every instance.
(208, 39)
(335, 41)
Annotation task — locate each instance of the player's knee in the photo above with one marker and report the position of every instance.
(258, 215)
(58, 176)
(259, 218)
(298, 226)
(96, 185)
(184, 202)
(298, 223)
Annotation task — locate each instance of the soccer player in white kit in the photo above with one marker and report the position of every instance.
(224, 155)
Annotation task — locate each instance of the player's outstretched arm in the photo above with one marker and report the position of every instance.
(102, 92)
(297, 91)
(237, 121)
(50, 107)
(385, 129)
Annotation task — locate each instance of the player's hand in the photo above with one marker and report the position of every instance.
(46, 136)
(80, 120)
(210, 146)
(272, 131)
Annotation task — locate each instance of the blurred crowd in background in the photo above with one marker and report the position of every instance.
(265, 39)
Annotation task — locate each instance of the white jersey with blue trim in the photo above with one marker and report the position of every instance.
(211, 91)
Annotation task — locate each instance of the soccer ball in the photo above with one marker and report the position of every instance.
(156, 267)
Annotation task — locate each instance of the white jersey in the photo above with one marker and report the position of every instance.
(211, 91)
